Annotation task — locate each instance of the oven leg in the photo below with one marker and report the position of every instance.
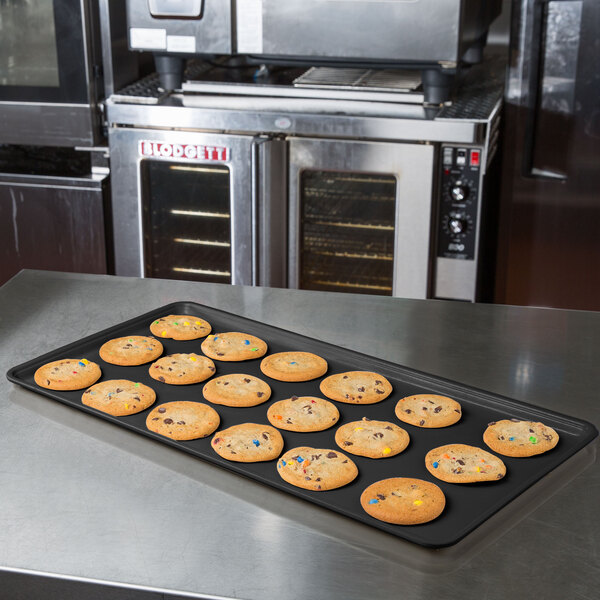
(170, 71)
(437, 85)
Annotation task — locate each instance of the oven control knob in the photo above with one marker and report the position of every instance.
(458, 224)
(459, 191)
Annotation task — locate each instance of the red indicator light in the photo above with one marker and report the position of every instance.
(446, 171)
(475, 154)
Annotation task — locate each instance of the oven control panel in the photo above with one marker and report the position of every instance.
(457, 224)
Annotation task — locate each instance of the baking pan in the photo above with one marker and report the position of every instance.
(467, 505)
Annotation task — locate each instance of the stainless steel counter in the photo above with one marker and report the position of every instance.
(84, 501)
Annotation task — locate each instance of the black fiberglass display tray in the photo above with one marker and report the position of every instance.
(467, 505)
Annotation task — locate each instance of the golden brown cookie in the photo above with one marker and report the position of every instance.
(182, 369)
(293, 366)
(459, 463)
(303, 413)
(233, 346)
(512, 437)
(373, 439)
(428, 410)
(183, 420)
(119, 397)
(316, 469)
(248, 442)
(68, 374)
(356, 387)
(131, 350)
(403, 501)
(237, 389)
(180, 327)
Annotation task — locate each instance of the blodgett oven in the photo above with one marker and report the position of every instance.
(305, 187)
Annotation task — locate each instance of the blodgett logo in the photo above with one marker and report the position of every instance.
(184, 151)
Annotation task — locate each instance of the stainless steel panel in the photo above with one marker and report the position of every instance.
(127, 199)
(271, 213)
(47, 124)
(392, 30)
(258, 115)
(211, 33)
(412, 165)
(455, 279)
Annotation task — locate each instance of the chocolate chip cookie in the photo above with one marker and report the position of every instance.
(373, 439)
(237, 389)
(356, 387)
(512, 437)
(293, 366)
(131, 350)
(67, 374)
(119, 397)
(459, 463)
(183, 420)
(180, 327)
(428, 410)
(234, 346)
(182, 369)
(303, 413)
(248, 442)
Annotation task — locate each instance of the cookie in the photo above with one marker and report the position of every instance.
(131, 350)
(373, 439)
(403, 501)
(428, 410)
(316, 469)
(356, 387)
(183, 420)
(248, 442)
(237, 389)
(119, 397)
(520, 438)
(293, 366)
(68, 374)
(180, 327)
(303, 413)
(459, 463)
(233, 346)
(182, 369)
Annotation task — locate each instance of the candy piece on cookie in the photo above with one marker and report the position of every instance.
(316, 469)
(68, 374)
(234, 346)
(131, 350)
(512, 437)
(293, 366)
(428, 410)
(356, 387)
(373, 439)
(248, 442)
(303, 413)
(180, 327)
(182, 369)
(237, 389)
(119, 397)
(183, 420)
(403, 501)
(459, 463)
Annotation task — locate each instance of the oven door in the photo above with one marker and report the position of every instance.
(47, 80)
(360, 217)
(187, 205)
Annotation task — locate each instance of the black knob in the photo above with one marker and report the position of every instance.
(459, 191)
(457, 225)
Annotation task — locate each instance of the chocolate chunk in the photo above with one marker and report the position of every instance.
(431, 401)
(307, 478)
(260, 394)
(155, 419)
(315, 457)
(361, 389)
(318, 487)
(289, 422)
(162, 410)
(389, 427)
(233, 452)
(47, 382)
(422, 422)
(456, 410)
(331, 455)
(500, 437)
(345, 377)
(458, 470)
(167, 421)
(348, 443)
(407, 411)
(413, 486)
(437, 409)
(499, 476)
(378, 391)
(360, 397)
(220, 353)
(547, 436)
(211, 368)
(378, 435)
(161, 378)
(136, 398)
(378, 382)
(531, 431)
(381, 496)
(294, 398)
(265, 436)
(246, 380)
(460, 462)
(226, 383)
(87, 391)
(170, 369)
(344, 461)
(424, 408)
(180, 422)
(217, 440)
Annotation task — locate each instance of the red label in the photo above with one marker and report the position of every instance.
(184, 151)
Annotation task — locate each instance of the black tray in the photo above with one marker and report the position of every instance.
(467, 505)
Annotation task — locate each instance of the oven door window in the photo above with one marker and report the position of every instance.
(347, 231)
(187, 214)
(42, 52)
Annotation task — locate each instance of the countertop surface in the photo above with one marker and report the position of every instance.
(84, 501)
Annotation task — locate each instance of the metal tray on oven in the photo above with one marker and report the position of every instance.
(468, 506)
